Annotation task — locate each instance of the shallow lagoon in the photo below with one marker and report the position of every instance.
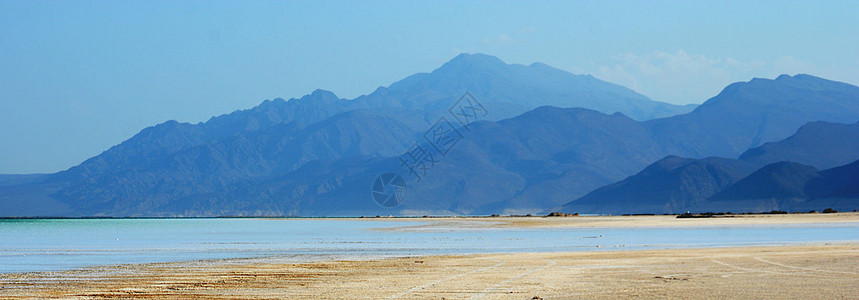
(58, 244)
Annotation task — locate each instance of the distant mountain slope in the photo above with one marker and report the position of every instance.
(319, 155)
(781, 180)
(14, 179)
(417, 101)
(790, 187)
(539, 159)
(674, 184)
(820, 144)
(670, 185)
(526, 163)
(748, 114)
(143, 187)
(838, 183)
(509, 90)
(156, 142)
(322, 171)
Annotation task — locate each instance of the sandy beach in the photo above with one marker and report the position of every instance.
(797, 271)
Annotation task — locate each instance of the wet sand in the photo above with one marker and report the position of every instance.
(798, 271)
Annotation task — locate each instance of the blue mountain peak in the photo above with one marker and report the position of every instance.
(470, 62)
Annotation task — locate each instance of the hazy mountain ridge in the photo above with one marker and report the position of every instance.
(791, 187)
(215, 168)
(511, 89)
(318, 155)
(774, 176)
(839, 183)
(781, 180)
(820, 144)
(518, 160)
(670, 185)
(416, 101)
(747, 114)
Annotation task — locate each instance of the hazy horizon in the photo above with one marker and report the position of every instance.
(79, 77)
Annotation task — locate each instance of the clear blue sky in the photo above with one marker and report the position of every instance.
(77, 77)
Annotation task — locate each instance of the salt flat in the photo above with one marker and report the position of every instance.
(813, 270)
(817, 271)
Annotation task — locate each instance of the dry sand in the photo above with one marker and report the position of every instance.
(802, 271)
(622, 221)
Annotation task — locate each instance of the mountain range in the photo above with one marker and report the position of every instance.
(547, 138)
(779, 175)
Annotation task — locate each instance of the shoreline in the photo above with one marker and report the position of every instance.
(341, 257)
(634, 221)
(427, 217)
(806, 269)
(803, 271)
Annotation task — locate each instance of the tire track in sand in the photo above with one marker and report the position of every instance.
(801, 268)
(499, 285)
(421, 287)
(765, 271)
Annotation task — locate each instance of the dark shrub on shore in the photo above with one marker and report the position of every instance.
(560, 214)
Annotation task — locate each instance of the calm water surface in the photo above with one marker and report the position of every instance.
(46, 245)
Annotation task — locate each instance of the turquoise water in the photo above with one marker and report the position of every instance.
(47, 245)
